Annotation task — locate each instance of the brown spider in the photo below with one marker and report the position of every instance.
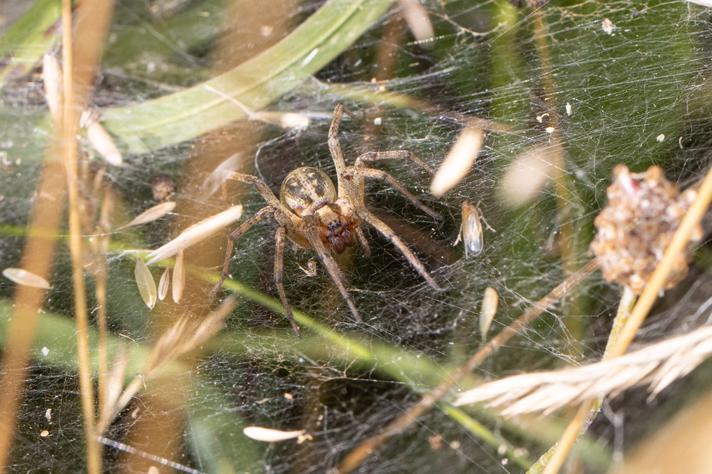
(314, 215)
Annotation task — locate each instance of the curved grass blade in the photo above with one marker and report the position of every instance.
(187, 114)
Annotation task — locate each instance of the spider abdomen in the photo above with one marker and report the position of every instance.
(304, 187)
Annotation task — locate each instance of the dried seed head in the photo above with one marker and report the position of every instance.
(145, 284)
(458, 161)
(490, 301)
(269, 435)
(643, 212)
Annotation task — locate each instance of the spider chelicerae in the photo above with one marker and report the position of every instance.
(313, 214)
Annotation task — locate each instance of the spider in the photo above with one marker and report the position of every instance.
(314, 215)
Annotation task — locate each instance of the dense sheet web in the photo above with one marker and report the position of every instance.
(630, 87)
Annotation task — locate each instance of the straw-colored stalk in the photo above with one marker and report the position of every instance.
(658, 365)
(368, 446)
(182, 337)
(678, 245)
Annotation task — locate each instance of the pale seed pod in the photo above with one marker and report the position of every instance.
(269, 435)
(164, 283)
(25, 278)
(178, 277)
(151, 214)
(458, 162)
(490, 301)
(144, 282)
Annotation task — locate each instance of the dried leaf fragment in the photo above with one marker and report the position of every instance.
(144, 282)
(490, 301)
(196, 233)
(458, 161)
(178, 277)
(151, 214)
(269, 435)
(25, 278)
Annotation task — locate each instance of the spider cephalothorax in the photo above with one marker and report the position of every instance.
(314, 214)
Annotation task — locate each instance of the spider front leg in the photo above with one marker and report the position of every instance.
(279, 276)
(382, 175)
(373, 156)
(390, 234)
(311, 232)
(234, 236)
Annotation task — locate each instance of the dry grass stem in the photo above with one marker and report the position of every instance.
(151, 214)
(151, 457)
(657, 365)
(23, 277)
(678, 244)
(365, 448)
(196, 233)
(182, 337)
(459, 161)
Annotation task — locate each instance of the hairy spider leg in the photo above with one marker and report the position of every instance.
(335, 147)
(362, 240)
(233, 237)
(382, 175)
(311, 232)
(373, 156)
(279, 276)
(389, 234)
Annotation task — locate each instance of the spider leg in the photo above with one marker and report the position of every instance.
(234, 236)
(390, 234)
(279, 276)
(380, 174)
(334, 146)
(311, 232)
(372, 156)
(261, 186)
(362, 240)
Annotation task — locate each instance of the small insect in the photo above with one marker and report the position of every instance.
(316, 215)
(471, 229)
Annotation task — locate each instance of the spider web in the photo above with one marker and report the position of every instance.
(637, 94)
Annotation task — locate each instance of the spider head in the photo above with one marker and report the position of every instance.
(309, 189)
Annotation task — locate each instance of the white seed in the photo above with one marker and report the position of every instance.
(528, 173)
(104, 144)
(660, 138)
(607, 26)
(269, 435)
(151, 214)
(458, 162)
(569, 110)
(490, 300)
(178, 277)
(417, 19)
(196, 233)
(144, 282)
(25, 278)
(52, 78)
(48, 414)
(164, 283)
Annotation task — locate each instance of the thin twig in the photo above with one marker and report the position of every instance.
(365, 448)
(655, 285)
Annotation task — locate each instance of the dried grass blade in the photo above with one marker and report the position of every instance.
(196, 233)
(151, 214)
(178, 277)
(25, 278)
(144, 282)
(269, 435)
